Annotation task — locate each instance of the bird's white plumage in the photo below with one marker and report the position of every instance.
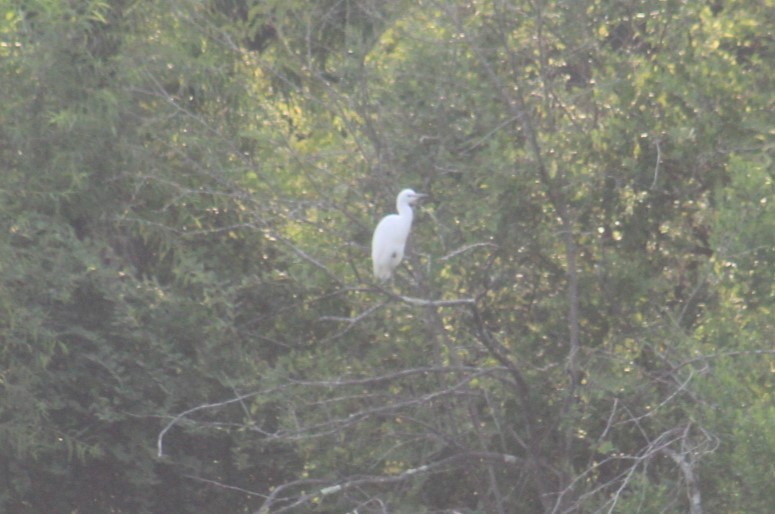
(389, 241)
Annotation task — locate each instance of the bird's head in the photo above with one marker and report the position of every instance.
(409, 197)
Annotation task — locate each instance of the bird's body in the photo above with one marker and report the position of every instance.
(389, 241)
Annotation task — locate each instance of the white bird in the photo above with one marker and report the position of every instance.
(389, 241)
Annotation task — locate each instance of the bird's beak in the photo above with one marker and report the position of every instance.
(420, 196)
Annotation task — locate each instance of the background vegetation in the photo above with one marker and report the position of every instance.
(584, 322)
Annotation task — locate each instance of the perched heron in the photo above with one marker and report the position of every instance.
(389, 241)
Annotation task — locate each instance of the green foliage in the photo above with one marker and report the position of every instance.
(188, 193)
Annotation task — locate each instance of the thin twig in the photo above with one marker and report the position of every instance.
(656, 166)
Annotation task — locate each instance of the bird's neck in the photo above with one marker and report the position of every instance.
(405, 210)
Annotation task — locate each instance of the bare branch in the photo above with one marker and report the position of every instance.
(335, 425)
(182, 415)
(437, 303)
(656, 165)
(467, 248)
(358, 481)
